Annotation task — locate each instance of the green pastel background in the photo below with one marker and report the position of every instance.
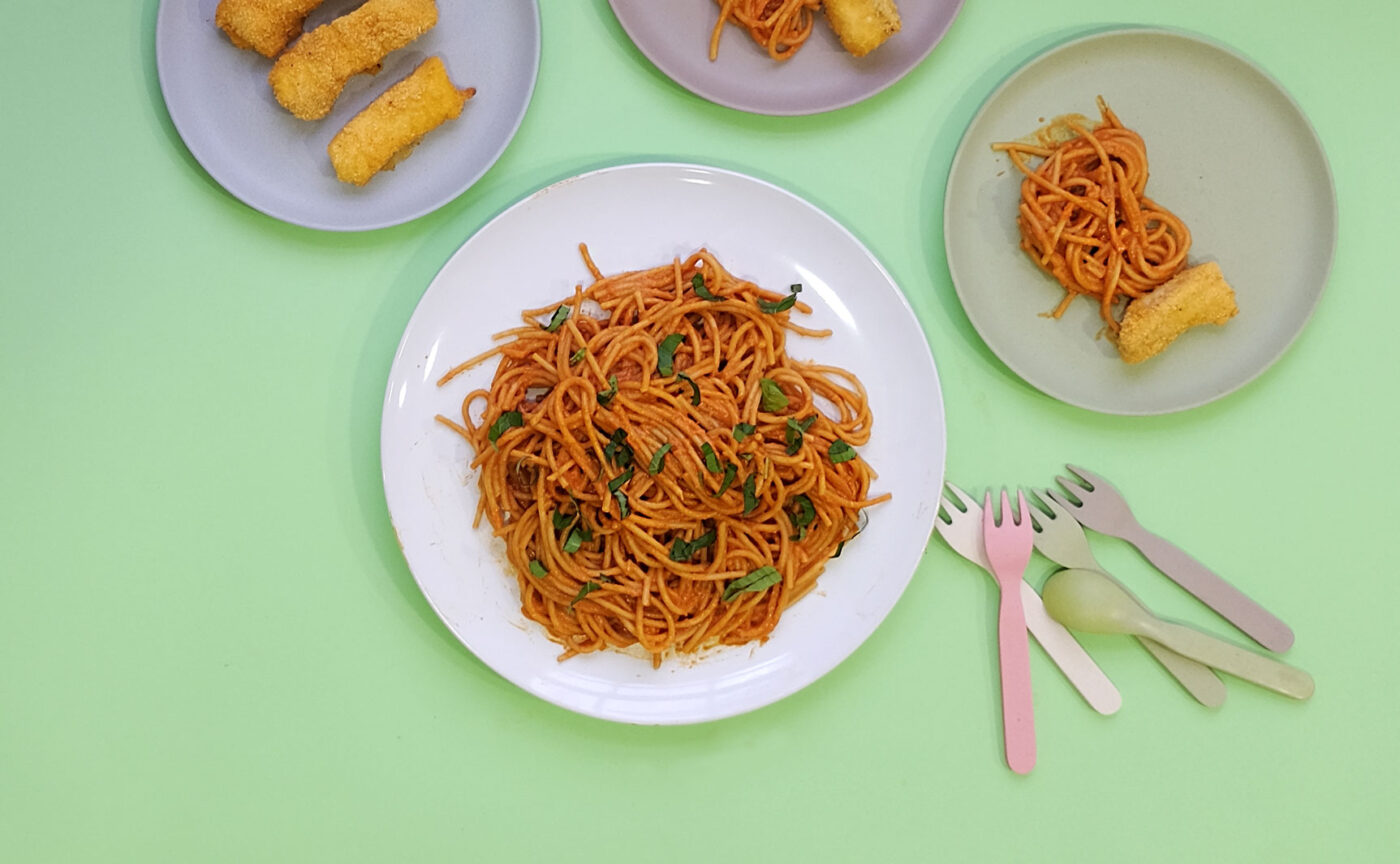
(212, 650)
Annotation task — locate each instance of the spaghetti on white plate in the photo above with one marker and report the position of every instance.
(665, 477)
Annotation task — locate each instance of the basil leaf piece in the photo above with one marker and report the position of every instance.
(563, 520)
(537, 569)
(507, 420)
(558, 318)
(711, 460)
(801, 512)
(658, 459)
(750, 497)
(730, 470)
(773, 307)
(577, 357)
(773, 398)
(683, 550)
(793, 433)
(694, 388)
(840, 451)
(617, 482)
(756, 580)
(698, 283)
(839, 547)
(607, 395)
(666, 354)
(617, 450)
(623, 508)
(573, 541)
(744, 430)
(588, 588)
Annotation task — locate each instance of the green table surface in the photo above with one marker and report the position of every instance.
(211, 648)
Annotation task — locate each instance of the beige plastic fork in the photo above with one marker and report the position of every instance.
(960, 524)
(1061, 539)
(1103, 509)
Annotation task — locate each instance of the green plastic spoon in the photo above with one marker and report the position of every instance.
(1097, 603)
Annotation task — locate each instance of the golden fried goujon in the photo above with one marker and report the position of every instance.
(383, 134)
(1196, 295)
(265, 26)
(862, 25)
(308, 77)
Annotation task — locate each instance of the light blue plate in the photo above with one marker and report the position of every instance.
(222, 106)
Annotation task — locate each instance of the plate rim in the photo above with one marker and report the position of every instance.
(1076, 41)
(938, 459)
(179, 121)
(708, 95)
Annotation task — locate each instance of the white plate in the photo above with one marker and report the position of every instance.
(675, 36)
(1229, 152)
(631, 217)
(220, 102)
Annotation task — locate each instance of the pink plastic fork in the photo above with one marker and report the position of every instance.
(1009, 551)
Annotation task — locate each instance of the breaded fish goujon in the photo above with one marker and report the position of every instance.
(862, 25)
(308, 77)
(385, 133)
(265, 26)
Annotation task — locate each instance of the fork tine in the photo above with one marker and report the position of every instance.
(1090, 478)
(1022, 511)
(1069, 508)
(1068, 487)
(964, 501)
(1057, 510)
(1007, 517)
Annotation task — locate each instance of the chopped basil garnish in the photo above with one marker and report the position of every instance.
(607, 395)
(617, 450)
(658, 459)
(773, 398)
(666, 354)
(577, 357)
(694, 388)
(839, 547)
(537, 569)
(698, 283)
(794, 431)
(772, 307)
(619, 481)
(730, 470)
(507, 420)
(623, 508)
(750, 497)
(683, 550)
(744, 430)
(576, 538)
(563, 520)
(588, 588)
(802, 513)
(711, 460)
(558, 318)
(840, 451)
(756, 580)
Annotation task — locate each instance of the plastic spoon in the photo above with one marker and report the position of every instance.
(1089, 600)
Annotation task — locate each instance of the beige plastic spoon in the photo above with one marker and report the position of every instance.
(1095, 602)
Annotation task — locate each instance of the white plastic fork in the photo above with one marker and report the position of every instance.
(1103, 509)
(1061, 539)
(963, 532)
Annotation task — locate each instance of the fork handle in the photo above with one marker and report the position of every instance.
(1017, 709)
(1252, 619)
(1069, 655)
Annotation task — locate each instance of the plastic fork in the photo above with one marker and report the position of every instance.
(1102, 508)
(1009, 546)
(1062, 540)
(960, 524)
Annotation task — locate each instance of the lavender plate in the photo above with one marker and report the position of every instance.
(220, 103)
(821, 76)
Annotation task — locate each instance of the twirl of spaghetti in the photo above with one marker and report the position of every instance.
(1085, 218)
